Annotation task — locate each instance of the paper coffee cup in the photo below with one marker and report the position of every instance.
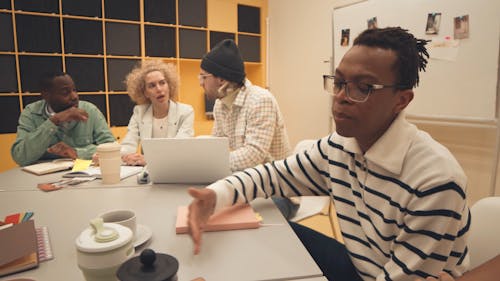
(109, 162)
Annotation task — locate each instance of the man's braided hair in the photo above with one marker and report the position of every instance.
(411, 52)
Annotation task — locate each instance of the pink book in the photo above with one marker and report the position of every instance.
(239, 216)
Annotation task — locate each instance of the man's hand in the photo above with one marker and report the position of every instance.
(63, 150)
(70, 114)
(134, 159)
(200, 210)
(95, 159)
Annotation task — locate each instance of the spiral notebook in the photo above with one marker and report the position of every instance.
(43, 244)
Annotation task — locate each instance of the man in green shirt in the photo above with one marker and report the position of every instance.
(59, 126)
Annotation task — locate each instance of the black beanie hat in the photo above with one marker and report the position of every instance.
(224, 61)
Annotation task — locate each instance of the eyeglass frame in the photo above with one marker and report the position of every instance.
(371, 87)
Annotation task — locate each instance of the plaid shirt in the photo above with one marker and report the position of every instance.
(254, 127)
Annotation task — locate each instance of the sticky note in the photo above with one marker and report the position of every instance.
(81, 164)
(27, 216)
(13, 218)
(21, 216)
(259, 217)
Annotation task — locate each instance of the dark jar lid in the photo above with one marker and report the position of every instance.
(149, 266)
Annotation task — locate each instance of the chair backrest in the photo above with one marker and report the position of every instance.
(484, 235)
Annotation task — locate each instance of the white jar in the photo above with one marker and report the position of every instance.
(100, 253)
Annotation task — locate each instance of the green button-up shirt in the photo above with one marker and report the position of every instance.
(36, 133)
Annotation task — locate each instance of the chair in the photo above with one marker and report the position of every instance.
(484, 234)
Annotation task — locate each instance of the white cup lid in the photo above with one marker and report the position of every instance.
(110, 146)
(86, 241)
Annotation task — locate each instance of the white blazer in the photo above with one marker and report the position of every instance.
(180, 124)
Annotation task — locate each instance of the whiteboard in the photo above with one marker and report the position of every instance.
(463, 85)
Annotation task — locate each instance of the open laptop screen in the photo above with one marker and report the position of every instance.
(187, 160)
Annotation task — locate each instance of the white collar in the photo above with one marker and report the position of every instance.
(389, 151)
(50, 112)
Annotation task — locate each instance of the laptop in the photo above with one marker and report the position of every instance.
(187, 160)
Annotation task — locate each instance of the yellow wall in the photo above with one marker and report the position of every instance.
(191, 93)
(6, 141)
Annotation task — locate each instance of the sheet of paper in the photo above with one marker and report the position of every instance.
(310, 206)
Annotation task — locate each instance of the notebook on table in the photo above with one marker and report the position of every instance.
(187, 160)
(95, 171)
(49, 167)
(19, 249)
(240, 216)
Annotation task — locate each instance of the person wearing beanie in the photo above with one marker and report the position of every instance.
(224, 61)
(245, 113)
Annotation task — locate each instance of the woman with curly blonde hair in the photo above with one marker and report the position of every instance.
(153, 86)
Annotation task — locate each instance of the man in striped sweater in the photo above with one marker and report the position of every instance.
(399, 195)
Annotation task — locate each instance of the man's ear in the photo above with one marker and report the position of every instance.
(220, 81)
(44, 95)
(223, 86)
(404, 97)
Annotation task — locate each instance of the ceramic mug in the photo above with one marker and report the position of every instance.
(126, 218)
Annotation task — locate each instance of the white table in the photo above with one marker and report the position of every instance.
(268, 253)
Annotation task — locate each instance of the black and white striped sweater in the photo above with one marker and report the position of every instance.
(401, 205)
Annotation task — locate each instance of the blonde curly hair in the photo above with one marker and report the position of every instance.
(135, 80)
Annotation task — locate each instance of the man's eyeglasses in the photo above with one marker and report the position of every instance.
(201, 77)
(356, 92)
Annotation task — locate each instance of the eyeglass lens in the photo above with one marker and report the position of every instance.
(356, 91)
